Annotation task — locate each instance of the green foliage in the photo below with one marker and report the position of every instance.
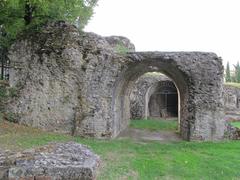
(1, 116)
(5, 93)
(3, 97)
(11, 117)
(128, 159)
(17, 15)
(228, 76)
(232, 77)
(12, 92)
(236, 124)
(154, 125)
(121, 49)
(237, 72)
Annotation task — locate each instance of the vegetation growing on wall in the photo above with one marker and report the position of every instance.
(6, 93)
(121, 48)
(3, 96)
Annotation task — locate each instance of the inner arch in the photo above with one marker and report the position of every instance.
(161, 100)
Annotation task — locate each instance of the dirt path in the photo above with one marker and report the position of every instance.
(140, 134)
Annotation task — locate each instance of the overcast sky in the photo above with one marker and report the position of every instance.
(173, 25)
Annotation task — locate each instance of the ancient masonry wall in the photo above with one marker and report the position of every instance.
(231, 102)
(139, 97)
(80, 83)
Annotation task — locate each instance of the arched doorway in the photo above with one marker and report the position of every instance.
(125, 85)
(201, 117)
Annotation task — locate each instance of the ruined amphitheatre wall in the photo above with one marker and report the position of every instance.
(65, 80)
(232, 102)
(80, 83)
(138, 97)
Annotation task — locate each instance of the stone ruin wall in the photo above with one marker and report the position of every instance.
(80, 83)
(138, 97)
(65, 80)
(232, 102)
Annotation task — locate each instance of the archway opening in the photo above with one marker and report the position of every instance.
(162, 100)
(154, 107)
(121, 101)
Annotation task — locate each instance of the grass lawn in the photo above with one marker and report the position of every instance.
(236, 124)
(154, 124)
(232, 84)
(128, 159)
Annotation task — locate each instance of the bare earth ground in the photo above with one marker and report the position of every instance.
(140, 134)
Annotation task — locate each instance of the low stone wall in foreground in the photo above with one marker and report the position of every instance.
(55, 161)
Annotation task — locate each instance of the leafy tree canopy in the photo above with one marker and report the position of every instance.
(17, 15)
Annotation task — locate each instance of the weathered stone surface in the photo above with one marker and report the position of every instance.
(118, 41)
(231, 102)
(138, 97)
(76, 82)
(61, 84)
(54, 161)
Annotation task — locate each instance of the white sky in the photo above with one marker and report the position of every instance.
(173, 25)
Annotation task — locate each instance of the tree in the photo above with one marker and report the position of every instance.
(17, 15)
(228, 76)
(237, 72)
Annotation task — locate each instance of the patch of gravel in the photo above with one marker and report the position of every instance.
(140, 134)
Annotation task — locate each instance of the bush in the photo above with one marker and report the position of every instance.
(121, 49)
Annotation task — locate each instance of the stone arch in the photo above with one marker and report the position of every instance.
(201, 117)
(156, 99)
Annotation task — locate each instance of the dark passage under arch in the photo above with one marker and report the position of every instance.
(163, 102)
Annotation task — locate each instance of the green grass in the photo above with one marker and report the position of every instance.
(236, 124)
(154, 124)
(237, 85)
(129, 159)
(17, 137)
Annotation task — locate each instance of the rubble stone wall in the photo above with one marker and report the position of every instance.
(80, 83)
(232, 102)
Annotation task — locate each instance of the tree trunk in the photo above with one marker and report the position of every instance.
(28, 12)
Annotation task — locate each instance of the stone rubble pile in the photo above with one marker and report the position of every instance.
(55, 161)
